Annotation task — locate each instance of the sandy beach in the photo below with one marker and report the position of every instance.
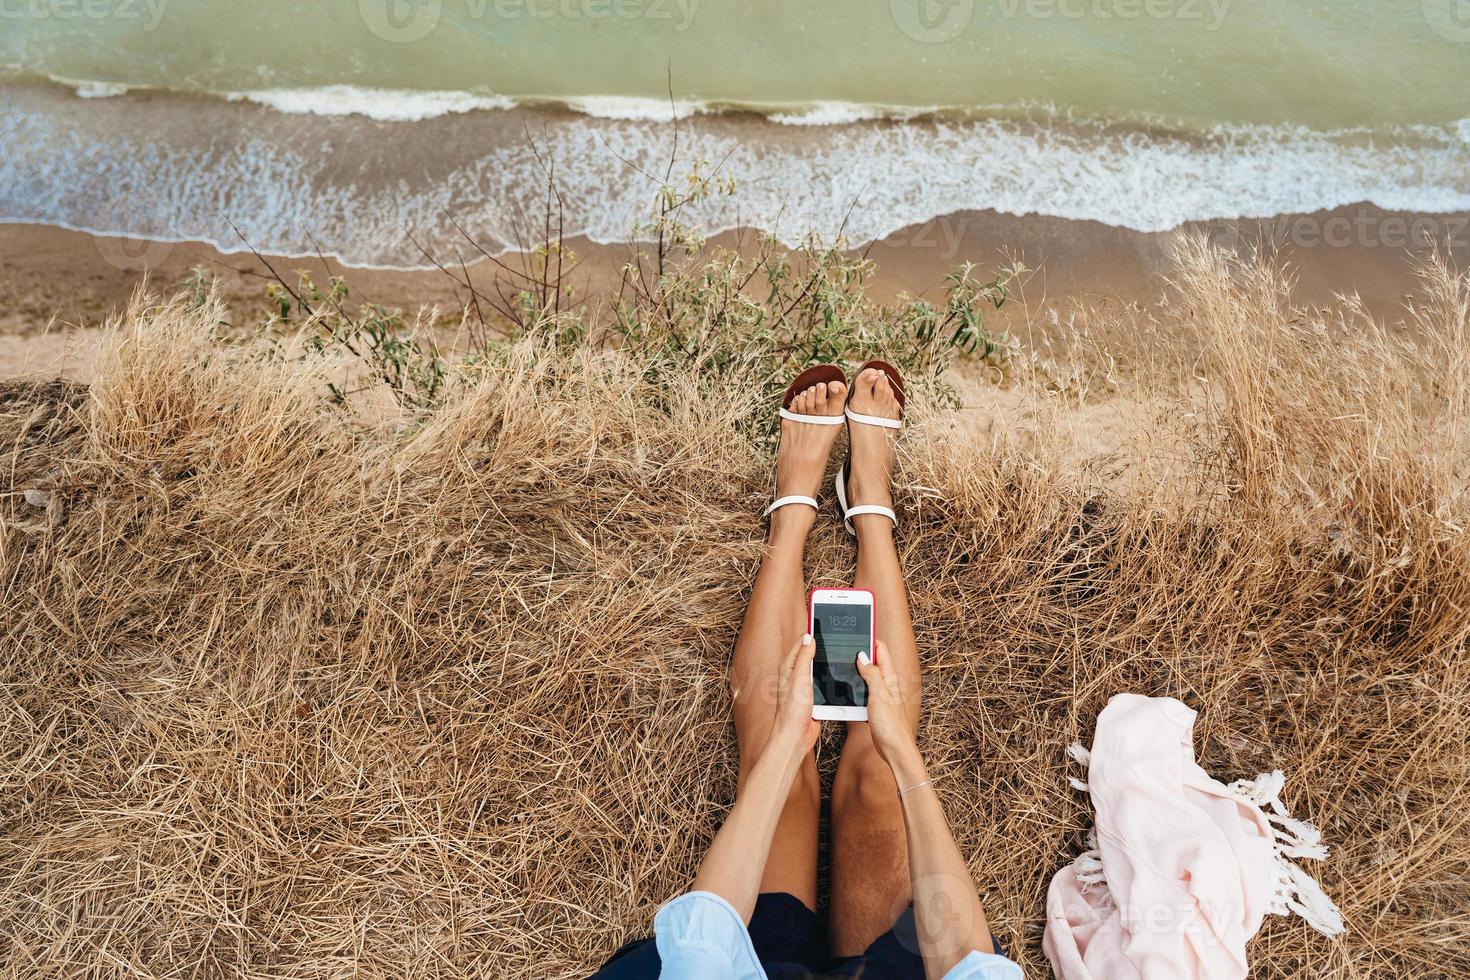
(58, 284)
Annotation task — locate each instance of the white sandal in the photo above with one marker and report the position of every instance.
(840, 484)
(827, 373)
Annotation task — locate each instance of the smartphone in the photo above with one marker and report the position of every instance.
(842, 626)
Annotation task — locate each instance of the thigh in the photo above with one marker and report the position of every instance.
(870, 866)
(870, 885)
(774, 621)
(791, 862)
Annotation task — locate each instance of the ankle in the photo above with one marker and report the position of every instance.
(874, 528)
(871, 488)
(791, 525)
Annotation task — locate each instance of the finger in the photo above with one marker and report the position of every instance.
(805, 654)
(880, 649)
(868, 669)
(803, 644)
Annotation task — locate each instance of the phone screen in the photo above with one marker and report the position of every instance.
(841, 631)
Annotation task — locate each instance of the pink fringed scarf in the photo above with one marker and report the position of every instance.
(1182, 868)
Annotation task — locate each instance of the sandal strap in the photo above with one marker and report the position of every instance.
(794, 498)
(873, 420)
(848, 513)
(862, 509)
(791, 416)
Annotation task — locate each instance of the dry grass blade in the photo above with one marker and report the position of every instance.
(286, 694)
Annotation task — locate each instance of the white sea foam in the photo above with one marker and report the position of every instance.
(409, 105)
(398, 105)
(406, 105)
(635, 109)
(384, 105)
(840, 113)
(99, 90)
(71, 168)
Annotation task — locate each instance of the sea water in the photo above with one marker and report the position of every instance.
(377, 128)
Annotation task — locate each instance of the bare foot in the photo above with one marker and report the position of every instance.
(801, 460)
(872, 449)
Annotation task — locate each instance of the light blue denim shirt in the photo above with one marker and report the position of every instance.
(700, 935)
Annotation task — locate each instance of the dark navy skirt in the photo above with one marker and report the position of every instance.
(791, 945)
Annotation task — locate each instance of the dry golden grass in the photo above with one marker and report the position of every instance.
(288, 694)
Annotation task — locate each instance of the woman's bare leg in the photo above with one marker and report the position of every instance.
(870, 866)
(774, 619)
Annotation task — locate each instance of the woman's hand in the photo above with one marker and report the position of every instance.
(888, 713)
(794, 719)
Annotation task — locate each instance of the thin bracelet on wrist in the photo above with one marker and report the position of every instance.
(927, 782)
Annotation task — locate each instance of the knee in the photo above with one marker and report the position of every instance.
(804, 800)
(806, 788)
(864, 781)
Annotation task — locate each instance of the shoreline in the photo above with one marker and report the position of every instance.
(182, 168)
(60, 284)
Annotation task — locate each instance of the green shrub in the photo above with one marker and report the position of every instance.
(752, 319)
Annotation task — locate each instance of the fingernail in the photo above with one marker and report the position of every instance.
(864, 659)
(806, 639)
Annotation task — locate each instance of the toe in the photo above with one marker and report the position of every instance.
(835, 392)
(821, 397)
